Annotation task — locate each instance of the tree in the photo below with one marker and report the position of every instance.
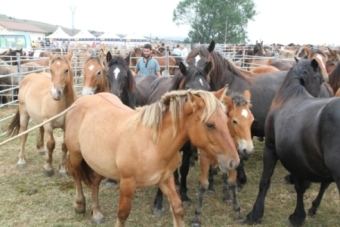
(209, 19)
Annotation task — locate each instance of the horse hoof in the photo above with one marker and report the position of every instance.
(98, 220)
(311, 213)
(49, 173)
(227, 201)
(79, 211)
(110, 183)
(21, 165)
(186, 204)
(210, 191)
(63, 174)
(195, 225)
(42, 152)
(158, 212)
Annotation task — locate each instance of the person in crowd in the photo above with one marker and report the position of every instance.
(147, 65)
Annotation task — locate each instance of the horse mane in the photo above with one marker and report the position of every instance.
(291, 85)
(238, 98)
(173, 102)
(120, 60)
(334, 78)
(179, 79)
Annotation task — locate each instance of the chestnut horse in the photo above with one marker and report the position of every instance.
(140, 147)
(94, 72)
(40, 98)
(239, 125)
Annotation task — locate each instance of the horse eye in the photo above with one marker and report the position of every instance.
(234, 122)
(66, 71)
(210, 125)
(99, 73)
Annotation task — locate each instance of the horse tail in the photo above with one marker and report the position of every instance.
(14, 126)
(84, 172)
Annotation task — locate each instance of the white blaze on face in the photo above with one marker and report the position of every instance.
(58, 63)
(201, 81)
(320, 58)
(91, 67)
(244, 113)
(116, 72)
(197, 58)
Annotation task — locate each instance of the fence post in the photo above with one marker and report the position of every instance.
(166, 71)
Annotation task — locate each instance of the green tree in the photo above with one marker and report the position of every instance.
(209, 19)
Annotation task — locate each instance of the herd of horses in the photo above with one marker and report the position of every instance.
(209, 107)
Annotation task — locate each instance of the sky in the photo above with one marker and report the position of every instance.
(279, 21)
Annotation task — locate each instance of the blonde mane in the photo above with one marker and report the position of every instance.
(152, 115)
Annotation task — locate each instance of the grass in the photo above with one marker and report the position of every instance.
(29, 198)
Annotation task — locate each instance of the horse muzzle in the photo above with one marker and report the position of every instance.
(57, 93)
(245, 149)
(227, 164)
(88, 91)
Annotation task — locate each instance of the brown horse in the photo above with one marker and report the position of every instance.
(239, 125)
(40, 98)
(140, 147)
(94, 71)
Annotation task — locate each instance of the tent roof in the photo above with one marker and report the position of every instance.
(83, 34)
(59, 33)
(135, 36)
(110, 35)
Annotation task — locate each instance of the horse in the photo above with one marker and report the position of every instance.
(258, 58)
(94, 71)
(121, 80)
(40, 98)
(264, 69)
(187, 78)
(239, 124)
(308, 144)
(334, 78)
(11, 56)
(148, 137)
(262, 88)
(143, 83)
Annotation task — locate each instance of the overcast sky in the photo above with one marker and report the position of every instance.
(279, 21)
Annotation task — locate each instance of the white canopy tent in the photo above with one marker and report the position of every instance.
(135, 40)
(111, 38)
(84, 36)
(59, 35)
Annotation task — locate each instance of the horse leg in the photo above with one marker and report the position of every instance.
(24, 118)
(40, 141)
(317, 200)
(176, 176)
(241, 175)
(62, 170)
(76, 160)
(50, 144)
(205, 165)
(97, 216)
(184, 170)
(168, 187)
(158, 204)
(227, 197)
(233, 186)
(194, 157)
(211, 188)
(126, 191)
(299, 215)
(269, 161)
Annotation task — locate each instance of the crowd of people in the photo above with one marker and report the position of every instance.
(178, 50)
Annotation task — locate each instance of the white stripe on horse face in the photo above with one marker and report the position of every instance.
(58, 62)
(197, 58)
(116, 72)
(320, 58)
(91, 67)
(201, 81)
(244, 113)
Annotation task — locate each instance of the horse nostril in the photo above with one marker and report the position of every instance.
(232, 164)
(59, 93)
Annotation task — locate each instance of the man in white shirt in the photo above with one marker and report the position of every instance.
(184, 52)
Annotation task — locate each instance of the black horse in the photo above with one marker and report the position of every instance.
(301, 132)
(120, 79)
(143, 83)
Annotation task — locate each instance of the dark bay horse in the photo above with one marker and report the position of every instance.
(121, 80)
(307, 145)
(143, 87)
(141, 146)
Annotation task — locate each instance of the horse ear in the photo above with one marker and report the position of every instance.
(70, 55)
(296, 60)
(221, 93)
(87, 54)
(108, 56)
(208, 67)
(183, 68)
(50, 54)
(330, 50)
(193, 100)
(247, 95)
(228, 102)
(315, 64)
(308, 51)
(211, 46)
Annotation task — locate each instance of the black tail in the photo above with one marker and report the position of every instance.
(14, 126)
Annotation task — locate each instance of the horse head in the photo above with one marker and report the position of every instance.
(61, 74)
